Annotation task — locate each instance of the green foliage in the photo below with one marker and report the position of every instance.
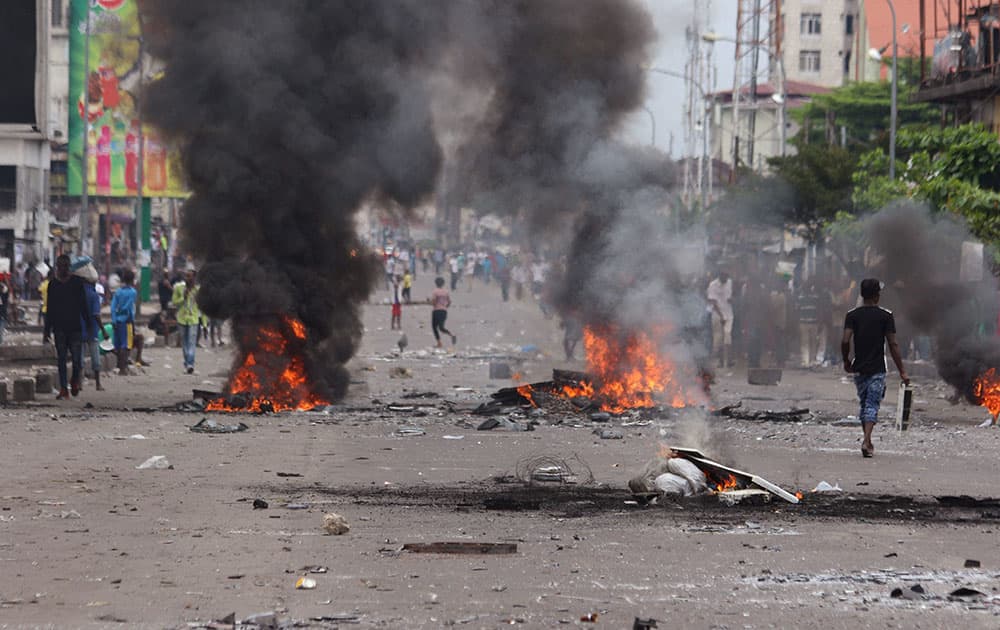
(954, 170)
(820, 179)
(863, 108)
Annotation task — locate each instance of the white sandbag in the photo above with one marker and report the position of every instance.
(671, 484)
(690, 472)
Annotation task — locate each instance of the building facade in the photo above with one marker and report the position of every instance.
(820, 41)
(25, 130)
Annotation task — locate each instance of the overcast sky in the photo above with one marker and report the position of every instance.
(665, 96)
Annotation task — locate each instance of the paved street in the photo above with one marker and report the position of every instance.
(87, 540)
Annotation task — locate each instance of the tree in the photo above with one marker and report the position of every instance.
(954, 170)
(820, 180)
(863, 108)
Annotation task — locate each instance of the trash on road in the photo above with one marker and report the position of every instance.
(335, 524)
(259, 504)
(305, 583)
(825, 487)
(156, 462)
(410, 431)
(609, 434)
(206, 425)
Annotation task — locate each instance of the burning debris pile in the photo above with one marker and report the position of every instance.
(688, 472)
(626, 371)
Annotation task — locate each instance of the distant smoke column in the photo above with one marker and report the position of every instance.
(290, 115)
(564, 77)
(921, 254)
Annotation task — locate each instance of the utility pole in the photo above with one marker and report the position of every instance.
(84, 171)
(757, 31)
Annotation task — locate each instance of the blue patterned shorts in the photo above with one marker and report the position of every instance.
(871, 391)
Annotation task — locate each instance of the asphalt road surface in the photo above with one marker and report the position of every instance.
(89, 540)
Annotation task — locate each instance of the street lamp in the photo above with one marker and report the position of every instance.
(781, 98)
(876, 54)
(652, 125)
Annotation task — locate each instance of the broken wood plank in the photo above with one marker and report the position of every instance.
(472, 548)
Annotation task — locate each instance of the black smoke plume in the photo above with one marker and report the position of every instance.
(289, 116)
(292, 114)
(922, 256)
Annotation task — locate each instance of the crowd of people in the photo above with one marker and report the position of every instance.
(781, 321)
(72, 299)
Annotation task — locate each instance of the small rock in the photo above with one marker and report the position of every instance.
(335, 524)
(259, 504)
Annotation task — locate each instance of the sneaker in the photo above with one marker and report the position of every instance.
(190, 370)
(63, 394)
(74, 388)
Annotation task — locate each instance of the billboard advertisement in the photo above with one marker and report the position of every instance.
(104, 98)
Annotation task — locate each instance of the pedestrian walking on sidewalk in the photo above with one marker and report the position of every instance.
(870, 327)
(67, 309)
(185, 300)
(440, 301)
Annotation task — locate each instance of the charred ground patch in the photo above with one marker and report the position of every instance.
(572, 501)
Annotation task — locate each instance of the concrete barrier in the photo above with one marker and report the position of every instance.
(24, 389)
(45, 382)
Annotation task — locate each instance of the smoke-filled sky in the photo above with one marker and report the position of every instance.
(665, 93)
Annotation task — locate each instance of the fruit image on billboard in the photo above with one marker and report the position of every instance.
(105, 98)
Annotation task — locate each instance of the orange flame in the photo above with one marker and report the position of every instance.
(729, 482)
(631, 370)
(986, 389)
(279, 382)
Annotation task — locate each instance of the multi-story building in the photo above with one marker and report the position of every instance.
(25, 129)
(818, 40)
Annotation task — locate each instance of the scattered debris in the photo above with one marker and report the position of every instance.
(589, 618)
(288, 474)
(964, 593)
(206, 425)
(453, 437)
(609, 434)
(259, 504)
(410, 431)
(600, 416)
(552, 468)
(644, 624)
(296, 506)
(400, 372)
(157, 462)
(825, 487)
(305, 583)
(973, 564)
(470, 548)
(738, 412)
(914, 592)
(505, 423)
(749, 496)
(418, 395)
(335, 524)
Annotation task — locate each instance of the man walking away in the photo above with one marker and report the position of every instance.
(123, 319)
(67, 308)
(440, 301)
(188, 316)
(870, 327)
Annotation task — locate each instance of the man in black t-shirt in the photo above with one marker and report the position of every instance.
(870, 327)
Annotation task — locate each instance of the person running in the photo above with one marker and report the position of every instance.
(67, 309)
(123, 319)
(440, 301)
(188, 316)
(870, 327)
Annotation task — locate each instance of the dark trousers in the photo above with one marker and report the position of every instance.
(438, 318)
(454, 280)
(68, 342)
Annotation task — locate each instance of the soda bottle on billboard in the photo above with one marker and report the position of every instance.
(104, 161)
(132, 156)
(155, 162)
(118, 157)
(91, 157)
(109, 85)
